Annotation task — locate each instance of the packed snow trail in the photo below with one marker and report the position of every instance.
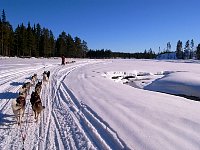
(86, 110)
(65, 123)
(143, 119)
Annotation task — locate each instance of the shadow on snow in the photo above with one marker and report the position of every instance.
(16, 83)
(8, 95)
(4, 119)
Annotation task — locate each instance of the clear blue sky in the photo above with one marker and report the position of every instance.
(119, 25)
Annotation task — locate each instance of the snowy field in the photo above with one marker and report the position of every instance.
(103, 104)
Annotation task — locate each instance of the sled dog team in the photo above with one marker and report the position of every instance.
(18, 105)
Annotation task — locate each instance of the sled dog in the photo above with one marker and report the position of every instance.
(26, 87)
(36, 104)
(34, 79)
(38, 87)
(45, 77)
(18, 107)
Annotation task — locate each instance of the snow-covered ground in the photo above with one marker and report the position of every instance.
(103, 104)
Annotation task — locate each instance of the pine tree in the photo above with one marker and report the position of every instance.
(61, 45)
(187, 44)
(187, 49)
(3, 16)
(78, 47)
(191, 49)
(51, 44)
(168, 47)
(23, 41)
(10, 50)
(70, 46)
(30, 40)
(192, 44)
(198, 52)
(6, 36)
(3, 22)
(38, 39)
(34, 43)
(84, 48)
(179, 53)
(44, 44)
(145, 54)
(17, 41)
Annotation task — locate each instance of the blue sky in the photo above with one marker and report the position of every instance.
(119, 25)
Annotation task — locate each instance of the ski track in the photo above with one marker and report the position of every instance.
(65, 122)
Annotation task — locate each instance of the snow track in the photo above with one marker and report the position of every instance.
(65, 123)
(85, 111)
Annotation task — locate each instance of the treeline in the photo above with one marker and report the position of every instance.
(184, 51)
(37, 41)
(109, 54)
(189, 51)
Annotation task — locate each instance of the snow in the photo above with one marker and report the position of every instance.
(169, 55)
(103, 104)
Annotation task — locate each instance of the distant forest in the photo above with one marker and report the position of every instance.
(37, 41)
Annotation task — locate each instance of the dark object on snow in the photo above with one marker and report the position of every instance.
(63, 60)
(128, 77)
(115, 77)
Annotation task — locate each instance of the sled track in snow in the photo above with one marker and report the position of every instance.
(90, 127)
(10, 81)
(99, 132)
(65, 122)
(64, 126)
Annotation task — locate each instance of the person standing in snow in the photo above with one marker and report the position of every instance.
(63, 60)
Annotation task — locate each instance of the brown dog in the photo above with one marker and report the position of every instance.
(36, 104)
(38, 87)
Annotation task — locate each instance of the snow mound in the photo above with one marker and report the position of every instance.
(171, 82)
(178, 83)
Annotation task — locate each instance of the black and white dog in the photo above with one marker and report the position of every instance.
(26, 87)
(18, 106)
(34, 79)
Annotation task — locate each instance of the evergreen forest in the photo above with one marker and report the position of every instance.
(37, 41)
